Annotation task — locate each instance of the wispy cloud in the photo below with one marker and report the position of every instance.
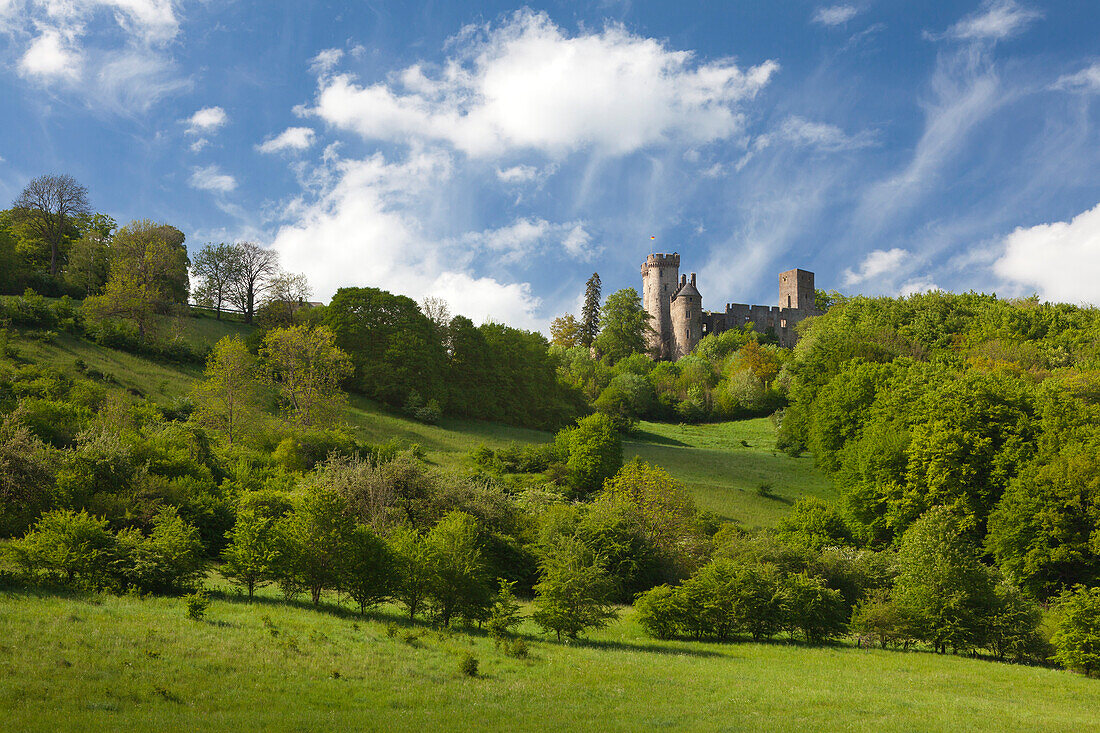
(211, 178)
(1086, 80)
(835, 14)
(995, 20)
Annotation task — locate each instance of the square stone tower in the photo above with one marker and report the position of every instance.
(796, 290)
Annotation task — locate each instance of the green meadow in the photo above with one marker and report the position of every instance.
(126, 663)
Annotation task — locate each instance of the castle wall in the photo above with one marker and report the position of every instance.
(684, 323)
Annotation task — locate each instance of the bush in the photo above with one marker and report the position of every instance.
(73, 548)
(197, 603)
(468, 665)
(1077, 637)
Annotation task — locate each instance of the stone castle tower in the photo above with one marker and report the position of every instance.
(679, 321)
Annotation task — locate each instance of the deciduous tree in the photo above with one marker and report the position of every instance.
(47, 206)
(306, 367)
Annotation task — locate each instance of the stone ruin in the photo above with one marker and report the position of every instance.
(679, 322)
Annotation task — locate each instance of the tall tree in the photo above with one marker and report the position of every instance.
(148, 276)
(47, 207)
(257, 268)
(219, 267)
(565, 331)
(624, 324)
(590, 313)
(306, 367)
(89, 264)
(228, 399)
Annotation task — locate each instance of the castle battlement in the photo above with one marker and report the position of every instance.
(679, 322)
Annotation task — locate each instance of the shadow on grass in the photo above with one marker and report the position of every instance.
(624, 646)
(650, 438)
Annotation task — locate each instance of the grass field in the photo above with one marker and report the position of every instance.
(109, 663)
(723, 464)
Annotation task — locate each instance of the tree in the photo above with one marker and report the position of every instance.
(412, 559)
(590, 312)
(248, 556)
(306, 367)
(47, 207)
(228, 399)
(459, 579)
(566, 331)
(881, 617)
(1043, 531)
(574, 591)
(26, 478)
(366, 569)
(814, 524)
(813, 608)
(89, 264)
(624, 324)
(504, 615)
(393, 345)
(288, 294)
(312, 540)
(256, 269)
(219, 266)
(595, 453)
(942, 583)
(148, 276)
(1077, 637)
(73, 547)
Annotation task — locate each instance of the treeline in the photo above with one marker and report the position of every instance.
(986, 408)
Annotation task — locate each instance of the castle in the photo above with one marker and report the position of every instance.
(678, 320)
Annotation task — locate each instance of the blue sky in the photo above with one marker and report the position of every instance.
(496, 155)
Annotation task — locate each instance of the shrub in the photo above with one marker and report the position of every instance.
(1077, 636)
(197, 603)
(70, 547)
(468, 665)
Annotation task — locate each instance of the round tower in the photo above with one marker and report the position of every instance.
(659, 275)
(687, 317)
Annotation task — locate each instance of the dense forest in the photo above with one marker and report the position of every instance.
(961, 431)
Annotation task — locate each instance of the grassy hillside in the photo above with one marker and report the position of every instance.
(104, 662)
(723, 464)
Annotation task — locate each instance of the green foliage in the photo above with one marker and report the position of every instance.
(468, 665)
(590, 311)
(504, 615)
(624, 324)
(305, 367)
(248, 558)
(74, 548)
(310, 542)
(942, 583)
(574, 591)
(814, 524)
(813, 609)
(595, 453)
(228, 399)
(413, 565)
(366, 568)
(1077, 636)
(197, 603)
(26, 478)
(458, 580)
(879, 617)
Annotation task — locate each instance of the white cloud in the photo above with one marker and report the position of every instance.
(798, 132)
(528, 236)
(518, 174)
(996, 20)
(292, 138)
(115, 53)
(1060, 260)
(211, 178)
(325, 61)
(1085, 80)
(577, 243)
(364, 229)
(835, 14)
(51, 55)
(876, 264)
(919, 285)
(525, 85)
(206, 120)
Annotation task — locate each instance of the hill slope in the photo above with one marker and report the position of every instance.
(723, 464)
(104, 662)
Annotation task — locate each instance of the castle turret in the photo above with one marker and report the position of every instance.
(687, 317)
(659, 275)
